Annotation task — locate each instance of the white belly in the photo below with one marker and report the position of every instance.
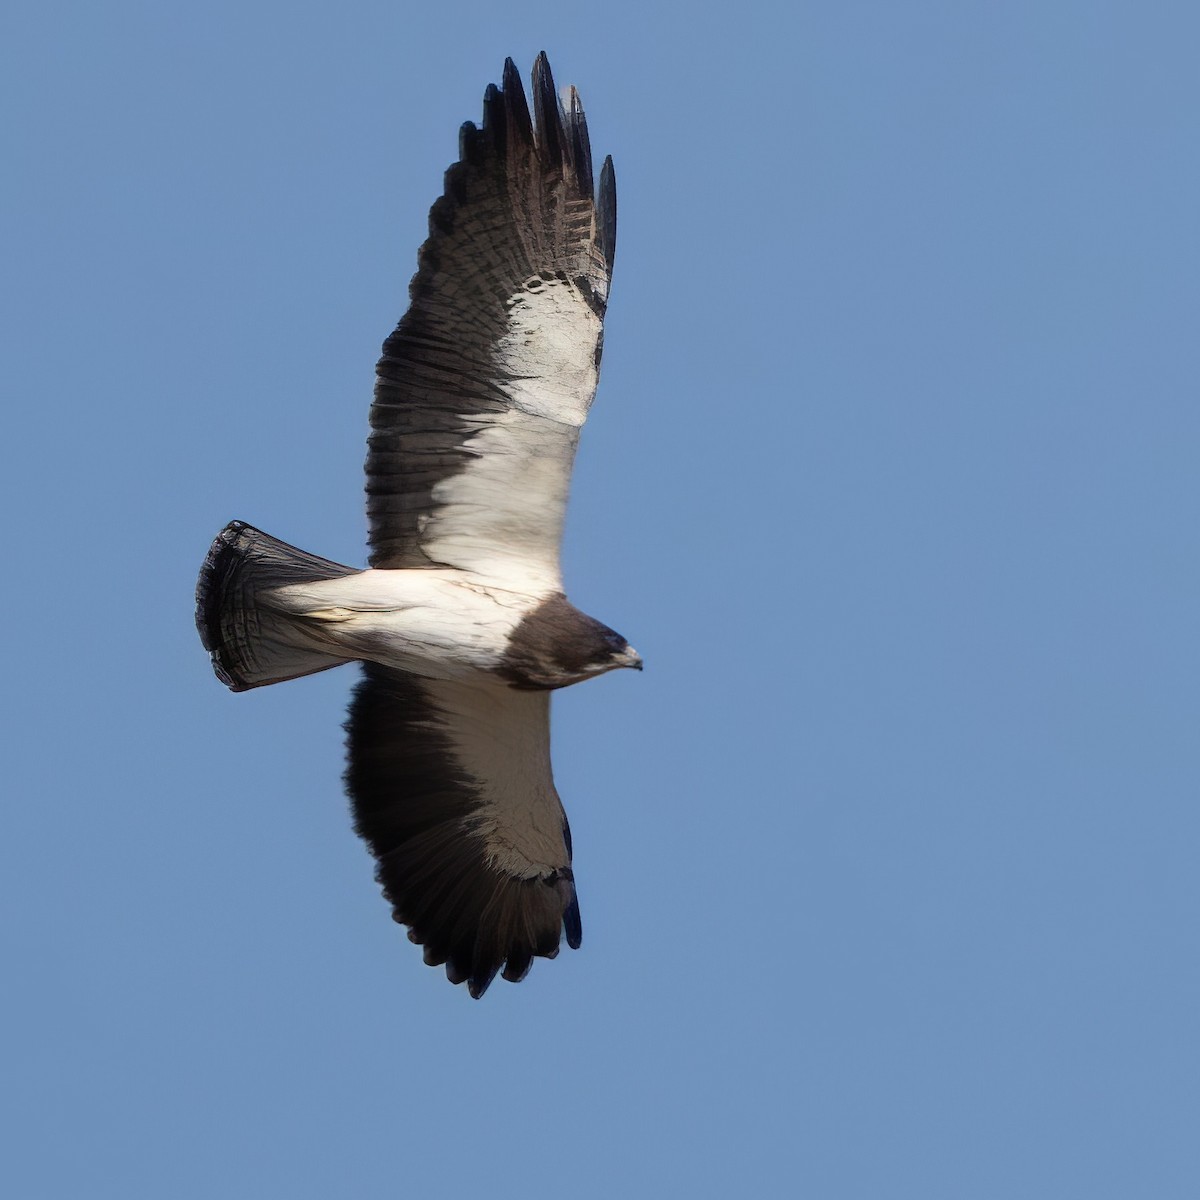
(440, 624)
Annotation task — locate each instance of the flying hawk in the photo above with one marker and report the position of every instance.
(460, 621)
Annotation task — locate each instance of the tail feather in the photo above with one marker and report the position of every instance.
(250, 643)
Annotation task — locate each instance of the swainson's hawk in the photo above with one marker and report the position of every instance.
(460, 622)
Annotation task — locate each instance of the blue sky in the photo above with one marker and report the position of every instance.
(886, 863)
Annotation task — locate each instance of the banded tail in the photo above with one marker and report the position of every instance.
(250, 642)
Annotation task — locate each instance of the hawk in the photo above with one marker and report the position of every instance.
(460, 620)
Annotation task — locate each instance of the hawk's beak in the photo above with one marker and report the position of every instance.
(629, 657)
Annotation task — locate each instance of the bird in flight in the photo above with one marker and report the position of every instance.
(460, 621)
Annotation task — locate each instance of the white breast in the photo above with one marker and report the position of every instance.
(439, 624)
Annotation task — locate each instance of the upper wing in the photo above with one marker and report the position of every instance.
(484, 385)
(452, 791)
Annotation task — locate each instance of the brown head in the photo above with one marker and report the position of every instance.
(556, 645)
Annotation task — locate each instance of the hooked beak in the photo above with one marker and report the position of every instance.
(629, 657)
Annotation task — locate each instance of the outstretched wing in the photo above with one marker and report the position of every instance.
(487, 380)
(452, 790)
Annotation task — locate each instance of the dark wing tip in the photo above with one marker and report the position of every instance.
(556, 138)
(480, 923)
(472, 142)
(495, 127)
(579, 145)
(547, 108)
(515, 107)
(572, 923)
(518, 964)
(478, 984)
(606, 212)
(526, 920)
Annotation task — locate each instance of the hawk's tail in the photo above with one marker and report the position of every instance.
(251, 642)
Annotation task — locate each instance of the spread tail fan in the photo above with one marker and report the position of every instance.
(250, 642)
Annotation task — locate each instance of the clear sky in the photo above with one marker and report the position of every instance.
(887, 863)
